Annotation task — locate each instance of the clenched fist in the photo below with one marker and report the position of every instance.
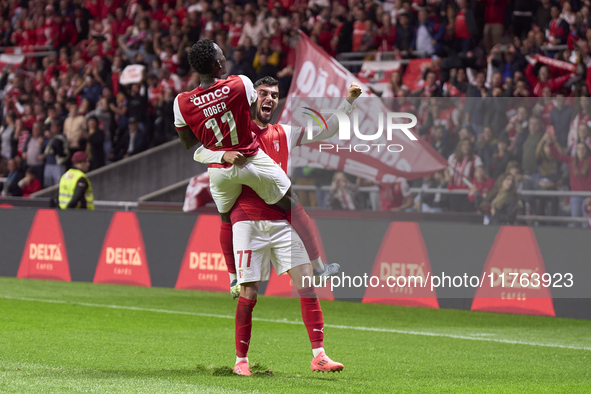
(354, 92)
(235, 158)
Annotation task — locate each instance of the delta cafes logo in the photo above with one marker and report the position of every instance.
(514, 253)
(206, 261)
(204, 266)
(402, 266)
(123, 257)
(45, 255)
(45, 252)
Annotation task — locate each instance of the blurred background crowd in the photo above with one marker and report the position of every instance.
(504, 97)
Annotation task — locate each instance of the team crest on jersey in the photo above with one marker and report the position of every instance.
(276, 143)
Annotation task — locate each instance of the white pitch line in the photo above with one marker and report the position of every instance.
(356, 328)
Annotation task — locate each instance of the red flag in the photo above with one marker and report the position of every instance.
(316, 74)
(413, 75)
(198, 193)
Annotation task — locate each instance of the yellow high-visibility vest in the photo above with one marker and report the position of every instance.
(68, 186)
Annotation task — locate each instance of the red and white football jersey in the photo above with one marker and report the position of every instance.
(220, 115)
(276, 141)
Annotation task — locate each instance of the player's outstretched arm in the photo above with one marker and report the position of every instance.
(319, 134)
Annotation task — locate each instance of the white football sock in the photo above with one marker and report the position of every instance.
(317, 351)
(317, 264)
(239, 359)
(232, 276)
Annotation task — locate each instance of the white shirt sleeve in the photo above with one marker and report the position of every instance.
(251, 94)
(292, 134)
(206, 156)
(319, 134)
(179, 121)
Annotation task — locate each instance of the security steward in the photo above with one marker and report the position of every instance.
(75, 190)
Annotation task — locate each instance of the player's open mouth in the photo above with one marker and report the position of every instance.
(266, 109)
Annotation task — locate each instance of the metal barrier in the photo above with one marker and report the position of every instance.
(552, 48)
(19, 50)
(524, 218)
(126, 205)
(357, 58)
(418, 190)
(177, 206)
(345, 58)
(39, 54)
(129, 179)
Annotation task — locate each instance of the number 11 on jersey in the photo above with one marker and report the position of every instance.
(228, 118)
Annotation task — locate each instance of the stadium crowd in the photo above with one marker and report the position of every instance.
(531, 56)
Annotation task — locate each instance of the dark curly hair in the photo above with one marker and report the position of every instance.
(202, 56)
(266, 81)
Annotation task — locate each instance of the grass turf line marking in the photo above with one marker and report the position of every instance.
(356, 328)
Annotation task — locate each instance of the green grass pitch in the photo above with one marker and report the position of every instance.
(78, 337)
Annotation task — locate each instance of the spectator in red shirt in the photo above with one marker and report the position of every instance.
(544, 79)
(481, 184)
(494, 20)
(464, 28)
(235, 31)
(386, 35)
(462, 165)
(395, 196)
(120, 24)
(29, 184)
(580, 172)
(359, 29)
